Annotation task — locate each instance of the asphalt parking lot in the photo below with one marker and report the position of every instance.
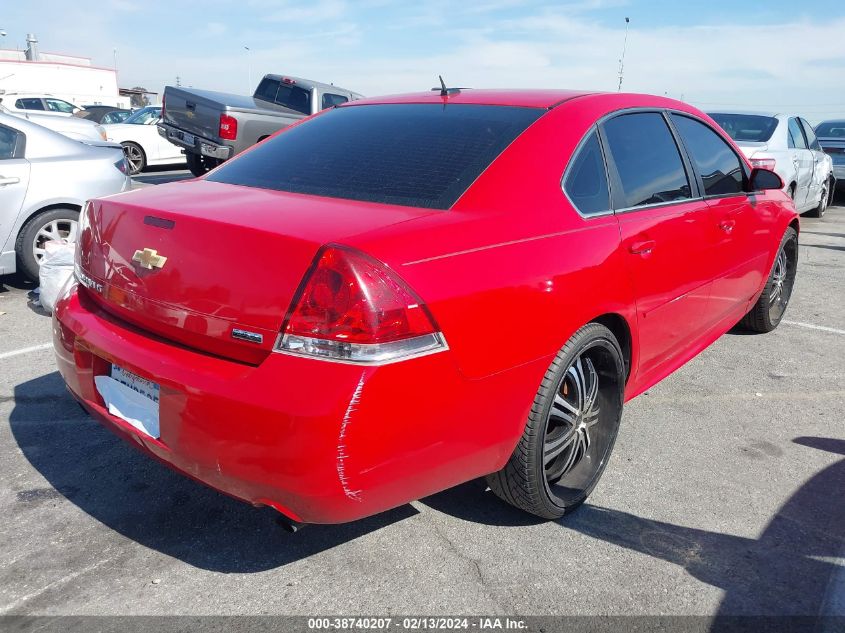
(725, 495)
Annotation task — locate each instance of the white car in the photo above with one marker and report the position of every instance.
(142, 143)
(35, 102)
(45, 178)
(786, 144)
(71, 126)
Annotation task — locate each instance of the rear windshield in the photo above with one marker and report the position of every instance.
(831, 129)
(418, 155)
(287, 95)
(752, 128)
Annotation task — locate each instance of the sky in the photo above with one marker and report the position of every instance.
(761, 55)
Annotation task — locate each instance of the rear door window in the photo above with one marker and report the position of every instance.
(58, 105)
(29, 104)
(585, 181)
(719, 166)
(419, 155)
(647, 160)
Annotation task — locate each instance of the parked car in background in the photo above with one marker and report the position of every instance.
(104, 114)
(214, 126)
(831, 135)
(45, 178)
(71, 126)
(529, 260)
(143, 145)
(787, 145)
(35, 102)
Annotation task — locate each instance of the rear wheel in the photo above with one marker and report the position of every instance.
(818, 212)
(771, 306)
(135, 156)
(571, 429)
(54, 224)
(200, 165)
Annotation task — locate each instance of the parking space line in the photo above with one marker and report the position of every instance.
(25, 350)
(810, 326)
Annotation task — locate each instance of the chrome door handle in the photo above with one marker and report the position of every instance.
(11, 180)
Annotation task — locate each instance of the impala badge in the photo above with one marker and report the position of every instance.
(149, 259)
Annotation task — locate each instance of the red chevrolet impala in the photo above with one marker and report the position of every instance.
(402, 294)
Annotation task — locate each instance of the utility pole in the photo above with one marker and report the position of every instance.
(249, 69)
(622, 59)
(178, 81)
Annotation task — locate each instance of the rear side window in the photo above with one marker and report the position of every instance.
(796, 136)
(330, 100)
(8, 143)
(419, 155)
(586, 180)
(29, 104)
(720, 168)
(812, 141)
(749, 128)
(647, 160)
(57, 105)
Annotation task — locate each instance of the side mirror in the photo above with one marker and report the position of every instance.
(764, 180)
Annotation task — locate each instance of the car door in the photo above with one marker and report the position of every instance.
(821, 167)
(740, 238)
(802, 159)
(665, 229)
(14, 180)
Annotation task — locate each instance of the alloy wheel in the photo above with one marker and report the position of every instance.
(134, 157)
(783, 278)
(581, 424)
(54, 230)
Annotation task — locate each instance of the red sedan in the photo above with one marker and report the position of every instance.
(402, 294)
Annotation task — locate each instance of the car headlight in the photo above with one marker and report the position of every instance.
(101, 131)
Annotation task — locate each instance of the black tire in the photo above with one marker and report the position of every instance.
(200, 165)
(818, 212)
(530, 480)
(135, 156)
(772, 303)
(63, 223)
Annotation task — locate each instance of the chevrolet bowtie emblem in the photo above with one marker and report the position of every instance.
(149, 259)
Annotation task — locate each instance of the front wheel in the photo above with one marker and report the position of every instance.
(771, 305)
(571, 429)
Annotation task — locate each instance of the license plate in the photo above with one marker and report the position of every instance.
(131, 398)
(189, 139)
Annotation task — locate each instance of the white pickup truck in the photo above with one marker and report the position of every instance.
(214, 126)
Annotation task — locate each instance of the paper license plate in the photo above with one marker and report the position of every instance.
(131, 398)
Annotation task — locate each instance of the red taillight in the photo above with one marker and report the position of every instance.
(288, 81)
(354, 308)
(228, 127)
(764, 163)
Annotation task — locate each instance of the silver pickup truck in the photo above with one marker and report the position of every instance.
(214, 126)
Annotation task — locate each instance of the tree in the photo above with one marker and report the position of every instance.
(140, 99)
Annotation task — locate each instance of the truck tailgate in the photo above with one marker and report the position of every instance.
(194, 111)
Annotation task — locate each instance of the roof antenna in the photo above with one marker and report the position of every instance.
(444, 91)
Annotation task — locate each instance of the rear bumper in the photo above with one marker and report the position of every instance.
(321, 442)
(200, 145)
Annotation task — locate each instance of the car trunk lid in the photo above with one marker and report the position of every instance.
(233, 258)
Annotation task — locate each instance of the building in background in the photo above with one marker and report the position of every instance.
(67, 77)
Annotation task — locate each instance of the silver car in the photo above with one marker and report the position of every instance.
(45, 178)
(788, 145)
(832, 139)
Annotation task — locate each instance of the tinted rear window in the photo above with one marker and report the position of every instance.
(751, 128)
(419, 155)
(831, 129)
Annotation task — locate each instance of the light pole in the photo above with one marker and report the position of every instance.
(622, 59)
(249, 68)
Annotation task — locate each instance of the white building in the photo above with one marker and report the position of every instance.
(67, 77)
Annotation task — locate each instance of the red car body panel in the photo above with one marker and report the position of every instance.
(509, 273)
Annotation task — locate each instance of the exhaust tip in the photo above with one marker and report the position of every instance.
(289, 525)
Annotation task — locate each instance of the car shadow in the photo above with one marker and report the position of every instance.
(149, 503)
(162, 174)
(789, 569)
